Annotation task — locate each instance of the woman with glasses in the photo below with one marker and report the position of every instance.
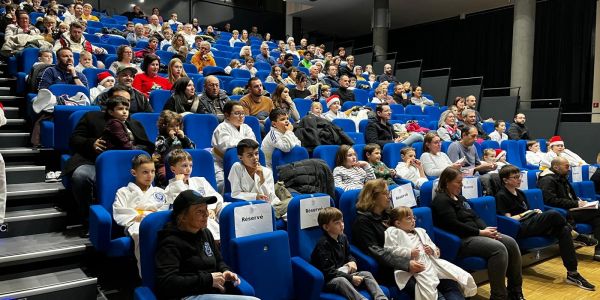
(124, 58)
(451, 212)
(227, 135)
(368, 234)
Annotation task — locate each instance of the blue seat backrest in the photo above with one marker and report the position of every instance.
(358, 137)
(362, 125)
(418, 148)
(62, 128)
(535, 198)
(424, 220)
(203, 166)
(512, 152)
(303, 106)
(350, 104)
(359, 148)
(199, 128)
(270, 87)
(302, 241)
(347, 125)
(253, 122)
(190, 69)
(230, 158)
(149, 229)
(361, 96)
(28, 57)
(391, 154)
(68, 89)
(543, 145)
(92, 76)
(426, 195)
(532, 176)
(490, 144)
(348, 207)
(280, 158)
(239, 73)
(158, 99)
(397, 109)
(485, 207)
(326, 153)
(488, 127)
(413, 110)
(149, 121)
(227, 226)
(236, 83)
(445, 145)
(112, 173)
(264, 261)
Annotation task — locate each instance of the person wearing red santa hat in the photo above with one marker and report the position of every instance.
(335, 109)
(557, 149)
(105, 81)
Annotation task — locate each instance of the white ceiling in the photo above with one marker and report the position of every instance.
(345, 18)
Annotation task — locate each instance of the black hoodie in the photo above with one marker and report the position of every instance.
(184, 263)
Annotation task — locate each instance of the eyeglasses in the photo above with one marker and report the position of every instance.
(515, 176)
(239, 113)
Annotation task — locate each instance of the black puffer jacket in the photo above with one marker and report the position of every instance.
(557, 190)
(308, 176)
(313, 131)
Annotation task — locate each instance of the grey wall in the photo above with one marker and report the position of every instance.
(436, 86)
(581, 138)
(463, 91)
(499, 108)
(411, 75)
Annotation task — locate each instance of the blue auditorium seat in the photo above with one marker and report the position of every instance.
(199, 128)
(158, 99)
(149, 229)
(203, 166)
(346, 125)
(390, 155)
(280, 158)
(326, 153)
(112, 173)
(149, 121)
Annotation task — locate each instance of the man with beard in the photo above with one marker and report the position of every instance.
(75, 40)
(343, 91)
(518, 130)
(63, 72)
(387, 75)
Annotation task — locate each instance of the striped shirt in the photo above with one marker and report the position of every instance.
(352, 178)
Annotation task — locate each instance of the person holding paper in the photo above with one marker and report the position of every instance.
(410, 168)
(333, 258)
(403, 239)
(189, 264)
(557, 149)
(368, 235)
(350, 173)
(511, 202)
(558, 192)
(451, 212)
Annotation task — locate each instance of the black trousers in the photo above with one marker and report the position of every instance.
(552, 223)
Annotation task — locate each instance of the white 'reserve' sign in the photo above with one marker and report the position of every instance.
(309, 210)
(403, 195)
(253, 219)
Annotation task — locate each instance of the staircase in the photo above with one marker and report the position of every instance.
(40, 256)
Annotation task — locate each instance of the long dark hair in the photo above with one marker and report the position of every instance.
(179, 96)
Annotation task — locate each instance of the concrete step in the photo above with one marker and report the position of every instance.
(68, 284)
(14, 139)
(11, 112)
(25, 174)
(15, 122)
(33, 190)
(33, 221)
(5, 91)
(27, 249)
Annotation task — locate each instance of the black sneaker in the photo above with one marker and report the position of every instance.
(579, 281)
(585, 240)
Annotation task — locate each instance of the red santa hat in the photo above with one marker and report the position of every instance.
(556, 140)
(104, 76)
(332, 99)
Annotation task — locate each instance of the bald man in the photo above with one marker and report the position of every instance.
(558, 192)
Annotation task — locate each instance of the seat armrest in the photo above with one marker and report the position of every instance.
(308, 280)
(100, 228)
(508, 226)
(448, 243)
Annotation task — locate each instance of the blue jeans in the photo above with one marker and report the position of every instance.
(413, 138)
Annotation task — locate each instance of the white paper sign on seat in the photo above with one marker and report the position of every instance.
(253, 219)
(309, 210)
(403, 195)
(470, 189)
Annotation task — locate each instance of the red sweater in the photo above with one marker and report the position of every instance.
(145, 84)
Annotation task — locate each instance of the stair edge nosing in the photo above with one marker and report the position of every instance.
(48, 215)
(43, 253)
(50, 288)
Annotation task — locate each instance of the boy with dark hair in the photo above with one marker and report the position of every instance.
(511, 202)
(249, 180)
(281, 136)
(116, 134)
(332, 257)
